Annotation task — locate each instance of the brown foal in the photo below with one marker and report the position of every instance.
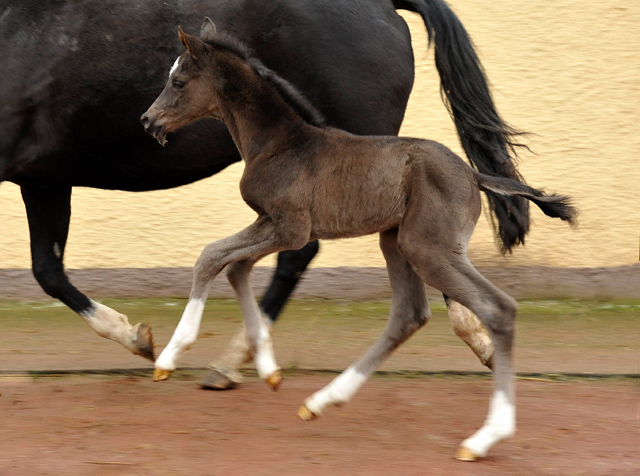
(307, 181)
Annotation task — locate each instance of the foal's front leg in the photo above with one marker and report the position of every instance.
(258, 336)
(225, 371)
(253, 242)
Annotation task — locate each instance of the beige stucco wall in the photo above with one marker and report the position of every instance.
(566, 70)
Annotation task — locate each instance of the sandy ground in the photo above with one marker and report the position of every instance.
(119, 425)
(124, 424)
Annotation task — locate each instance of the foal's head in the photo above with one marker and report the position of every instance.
(188, 94)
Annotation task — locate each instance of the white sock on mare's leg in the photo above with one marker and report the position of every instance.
(107, 322)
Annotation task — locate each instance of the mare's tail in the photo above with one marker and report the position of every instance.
(555, 206)
(486, 138)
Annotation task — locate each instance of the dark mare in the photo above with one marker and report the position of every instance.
(307, 181)
(76, 75)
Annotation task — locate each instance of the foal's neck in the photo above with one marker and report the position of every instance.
(259, 119)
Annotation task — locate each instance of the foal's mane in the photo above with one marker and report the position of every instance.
(300, 104)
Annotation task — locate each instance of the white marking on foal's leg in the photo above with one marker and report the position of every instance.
(500, 424)
(259, 342)
(225, 372)
(468, 327)
(339, 391)
(184, 336)
(258, 336)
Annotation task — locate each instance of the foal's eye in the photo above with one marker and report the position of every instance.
(178, 84)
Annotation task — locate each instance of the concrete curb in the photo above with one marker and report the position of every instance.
(333, 283)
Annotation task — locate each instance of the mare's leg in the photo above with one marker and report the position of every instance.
(224, 373)
(409, 311)
(468, 327)
(291, 265)
(255, 241)
(450, 271)
(48, 213)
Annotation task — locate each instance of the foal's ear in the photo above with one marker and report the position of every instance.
(194, 45)
(208, 29)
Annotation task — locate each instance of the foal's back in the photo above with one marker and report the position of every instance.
(352, 185)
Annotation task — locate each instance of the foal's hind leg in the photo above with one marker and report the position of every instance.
(468, 327)
(450, 271)
(409, 312)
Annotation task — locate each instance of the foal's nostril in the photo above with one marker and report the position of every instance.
(145, 121)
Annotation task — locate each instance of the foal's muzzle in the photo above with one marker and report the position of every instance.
(153, 128)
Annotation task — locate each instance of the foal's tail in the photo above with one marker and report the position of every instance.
(486, 138)
(555, 206)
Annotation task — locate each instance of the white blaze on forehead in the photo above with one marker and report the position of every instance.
(175, 66)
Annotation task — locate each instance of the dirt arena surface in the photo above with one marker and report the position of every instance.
(404, 423)
(128, 425)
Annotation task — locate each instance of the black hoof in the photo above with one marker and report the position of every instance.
(489, 363)
(144, 343)
(216, 380)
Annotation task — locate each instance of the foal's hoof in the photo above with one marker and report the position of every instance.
(465, 454)
(161, 374)
(275, 379)
(305, 414)
(144, 342)
(216, 380)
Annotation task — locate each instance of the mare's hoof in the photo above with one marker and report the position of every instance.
(161, 374)
(275, 379)
(465, 454)
(144, 342)
(216, 380)
(489, 363)
(305, 414)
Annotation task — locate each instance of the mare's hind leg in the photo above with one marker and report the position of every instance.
(409, 312)
(48, 213)
(450, 271)
(225, 373)
(468, 327)
(255, 241)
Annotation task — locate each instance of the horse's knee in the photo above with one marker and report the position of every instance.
(506, 307)
(420, 315)
(499, 316)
